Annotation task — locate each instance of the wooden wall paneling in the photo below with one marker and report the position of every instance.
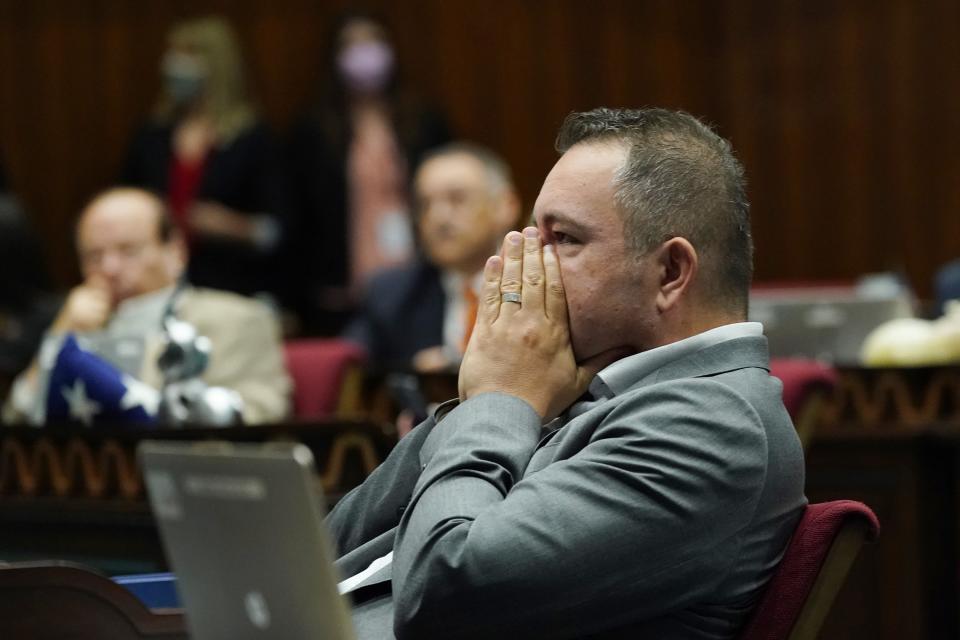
(853, 120)
(938, 164)
(465, 51)
(549, 95)
(46, 113)
(619, 52)
(822, 178)
(521, 79)
(900, 34)
(841, 112)
(739, 108)
(790, 62)
(941, 96)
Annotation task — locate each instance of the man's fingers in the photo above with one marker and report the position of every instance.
(510, 281)
(555, 300)
(98, 282)
(489, 305)
(532, 271)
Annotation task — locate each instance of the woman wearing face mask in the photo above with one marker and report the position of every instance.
(352, 158)
(207, 152)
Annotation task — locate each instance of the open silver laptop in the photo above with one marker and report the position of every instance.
(242, 528)
(829, 327)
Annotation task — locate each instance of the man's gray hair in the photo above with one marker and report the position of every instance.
(498, 171)
(680, 179)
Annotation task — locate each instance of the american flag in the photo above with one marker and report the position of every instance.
(86, 389)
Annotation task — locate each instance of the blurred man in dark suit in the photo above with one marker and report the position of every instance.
(420, 315)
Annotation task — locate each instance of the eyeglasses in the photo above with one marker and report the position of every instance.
(125, 252)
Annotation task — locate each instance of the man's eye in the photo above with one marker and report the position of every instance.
(561, 238)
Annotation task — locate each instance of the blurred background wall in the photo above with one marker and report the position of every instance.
(844, 112)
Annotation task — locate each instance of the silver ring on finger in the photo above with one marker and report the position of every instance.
(510, 296)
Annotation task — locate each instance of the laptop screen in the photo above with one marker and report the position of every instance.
(242, 528)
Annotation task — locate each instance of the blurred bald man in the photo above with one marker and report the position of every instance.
(419, 316)
(131, 257)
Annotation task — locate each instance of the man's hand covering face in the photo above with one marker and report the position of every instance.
(522, 348)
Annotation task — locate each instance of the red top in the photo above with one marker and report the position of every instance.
(182, 190)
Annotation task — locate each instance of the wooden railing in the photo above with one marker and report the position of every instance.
(101, 464)
(892, 399)
(77, 494)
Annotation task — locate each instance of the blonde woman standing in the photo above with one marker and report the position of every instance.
(207, 153)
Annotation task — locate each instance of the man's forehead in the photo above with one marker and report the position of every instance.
(119, 213)
(453, 169)
(583, 176)
(590, 161)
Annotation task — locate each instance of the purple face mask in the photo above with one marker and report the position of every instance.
(366, 66)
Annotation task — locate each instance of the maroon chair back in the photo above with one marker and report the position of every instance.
(320, 368)
(807, 388)
(801, 377)
(812, 570)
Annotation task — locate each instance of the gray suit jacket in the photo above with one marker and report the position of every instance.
(660, 512)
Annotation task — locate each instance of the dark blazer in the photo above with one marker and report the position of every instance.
(245, 175)
(659, 512)
(402, 313)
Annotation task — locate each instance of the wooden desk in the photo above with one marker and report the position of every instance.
(891, 438)
(78, 495)
(905, 584)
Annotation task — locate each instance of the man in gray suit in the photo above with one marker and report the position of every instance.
(619, 461)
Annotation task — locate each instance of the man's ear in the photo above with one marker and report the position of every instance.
(678, 262)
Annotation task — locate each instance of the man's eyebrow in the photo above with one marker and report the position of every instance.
(555, 217)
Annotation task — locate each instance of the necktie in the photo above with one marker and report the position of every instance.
(469, 314)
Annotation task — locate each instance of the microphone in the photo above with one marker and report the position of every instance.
(186, 399)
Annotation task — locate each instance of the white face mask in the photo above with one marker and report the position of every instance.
(184, 76)
(366, 67)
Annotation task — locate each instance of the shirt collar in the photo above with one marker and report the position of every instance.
(142, 310)
(624, 373)
(452, 282)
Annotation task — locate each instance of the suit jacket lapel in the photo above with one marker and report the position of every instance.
(730, 355)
